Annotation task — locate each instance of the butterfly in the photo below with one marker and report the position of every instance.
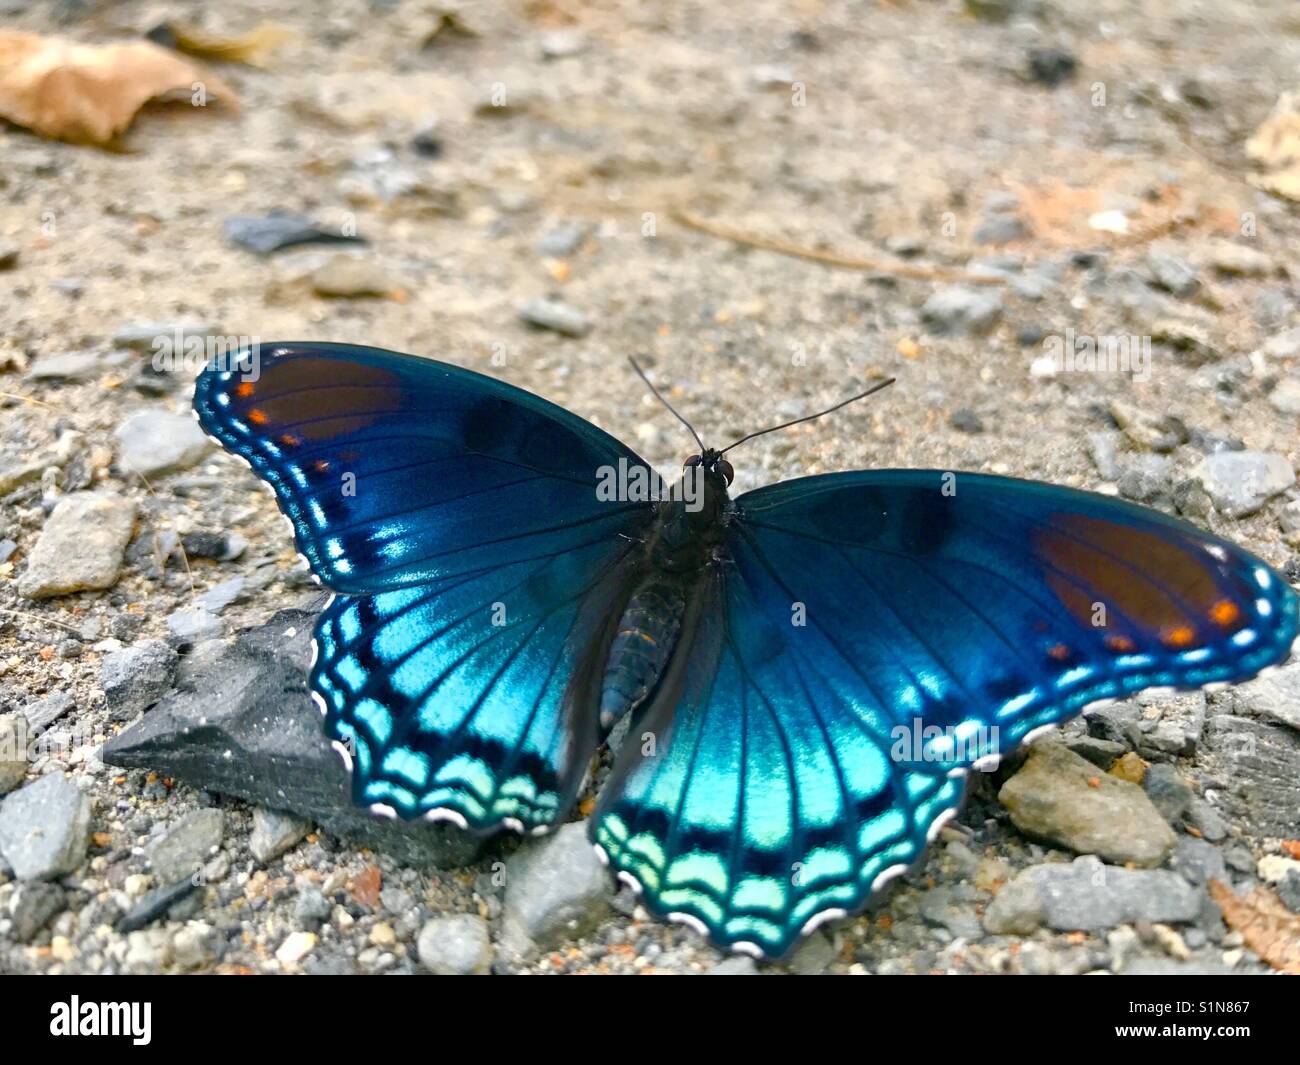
(807, 673)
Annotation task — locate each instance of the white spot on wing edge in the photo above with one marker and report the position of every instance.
(814, 922)
(886, 875)
(936, 826)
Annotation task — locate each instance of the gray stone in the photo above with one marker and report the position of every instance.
(1103, 448)
(1274, 696)
(1170, 723)
(220, 596)
(41, 715)
(1198, 861)
(45, 828)
(736, 965)
(136, 677)
(1101, 753)
(350, 276)
(1172, 273)
(14, 734)
(455, 946)
(1000, 228)
(274, 833)
(1288, 891)
(1060, 797)
(312, 908)
(1207, 820)
(15, 475)
(72, 366)
(1167, 790)
(268, 233)
(31, 907)
(196, 946)
(556, 891)
(191, 625)
(187, 844)
(1088, 896)
(813, 956)
(245, 725)
(81, 546)
(563, 240)
(555, 315)
(562, 44)
(1115, 722)
(1285, 396)
(1145, 478)
(939, 907)
(156, 441)
(960, 310)
(1241, 482)
(1259, 765)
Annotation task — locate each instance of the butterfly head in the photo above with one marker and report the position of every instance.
(713, 464)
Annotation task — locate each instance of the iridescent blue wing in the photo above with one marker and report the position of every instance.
(870, 638)
(461, 519)
(397, 471)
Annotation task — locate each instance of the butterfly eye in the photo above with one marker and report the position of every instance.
(724, 468)
(694, 460)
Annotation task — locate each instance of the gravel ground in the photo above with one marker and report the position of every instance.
(519, 182)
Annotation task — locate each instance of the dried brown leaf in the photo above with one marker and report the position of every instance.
(87, 93)
(1267, 927)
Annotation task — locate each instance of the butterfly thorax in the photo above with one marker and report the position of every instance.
(684, 540)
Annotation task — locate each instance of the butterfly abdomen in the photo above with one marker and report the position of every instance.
(646, 634)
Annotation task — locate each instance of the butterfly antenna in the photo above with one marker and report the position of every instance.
(809, 417)
(641, 374)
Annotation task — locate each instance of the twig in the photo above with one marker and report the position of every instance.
(830, 258)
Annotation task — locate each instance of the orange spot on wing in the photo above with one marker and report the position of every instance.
(1225, 612)
(289, 440)
(1182, 636)
(257, 417)
(1059, 652)
(320, 465)
(244, 389)
(1121, 644)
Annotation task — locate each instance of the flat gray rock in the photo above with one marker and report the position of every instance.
(186, 845)
(45, 828)
(556, 890)
(136, 677)
(274, 833)
(960, 310)
(455, 946)
(1274, 696)
(1241, 482)
(156, 441)
(81, 546)
(1089, 896)
(243, 724)
(1061, 797)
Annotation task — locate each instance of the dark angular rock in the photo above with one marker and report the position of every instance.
(245, 725)
(279, 229)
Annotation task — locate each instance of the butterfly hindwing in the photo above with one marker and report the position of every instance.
(872, 636)
(478, 564)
